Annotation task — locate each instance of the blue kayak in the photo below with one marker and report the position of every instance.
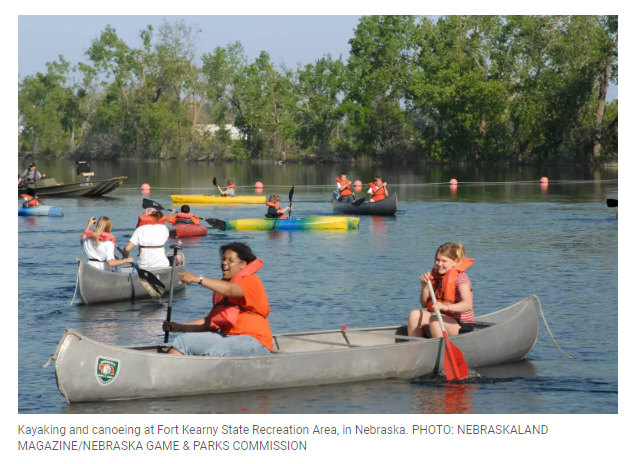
(43, 210)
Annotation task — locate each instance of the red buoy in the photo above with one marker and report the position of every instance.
(259, 185)
(453, 182)
(145, 187)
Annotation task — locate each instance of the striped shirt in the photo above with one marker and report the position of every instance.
(467, 317)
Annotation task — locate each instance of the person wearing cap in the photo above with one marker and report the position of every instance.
(30, 175)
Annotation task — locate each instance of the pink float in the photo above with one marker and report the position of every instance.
(544, 180)
(453, 182)
(259, 185)
(358, 183)
(145, 187)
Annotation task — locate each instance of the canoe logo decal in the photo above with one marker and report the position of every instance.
(107, 370)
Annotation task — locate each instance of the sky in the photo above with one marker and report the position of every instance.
(289, 40)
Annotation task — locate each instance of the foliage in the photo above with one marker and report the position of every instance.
(459, 89)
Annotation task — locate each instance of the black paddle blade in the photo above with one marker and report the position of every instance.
(147, 203)
(151, 283)
(612, 203)
(214, 181)
(358, 202)
(217, 224)
(290, 194)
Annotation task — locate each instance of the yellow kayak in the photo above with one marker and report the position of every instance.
(307, 223)
(217, 199)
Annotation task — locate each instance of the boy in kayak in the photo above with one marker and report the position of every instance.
(454, 296)
(229, 191)
(274, 210)
(378, 189)
(30, 199)
(184, 217)
(343, 188)
(236, 324)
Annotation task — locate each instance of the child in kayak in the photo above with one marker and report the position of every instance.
(99, 245)
(274, 210)
(30, 199)
(184, 217)
(229, 191)
(378, 189)
(454, 295)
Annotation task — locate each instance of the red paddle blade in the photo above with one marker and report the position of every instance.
(455, 365)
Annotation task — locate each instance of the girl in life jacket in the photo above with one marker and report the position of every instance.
(229, 191)
(274, 210)
(378, 189)
(99, 245)
(184, 217)
(454, 296)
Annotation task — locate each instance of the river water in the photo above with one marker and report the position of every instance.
(558, 242)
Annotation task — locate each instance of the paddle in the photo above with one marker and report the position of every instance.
(149, 281)
(612, 203)
(215, 223)
(290, 200)
(169, 304)
(216, 184)
(453, 356)
(358, 202)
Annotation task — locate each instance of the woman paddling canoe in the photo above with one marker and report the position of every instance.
(237, 324)
(454, 295)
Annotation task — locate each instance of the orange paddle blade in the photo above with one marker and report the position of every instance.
(455, 365)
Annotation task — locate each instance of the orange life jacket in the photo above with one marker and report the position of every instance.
(104, 236)
(445, 285)
(277, 208)
(184, 218)
(376, 196)
(145, 220)
(231, 186)
(30, 201)
(225, 311)
(345, 191)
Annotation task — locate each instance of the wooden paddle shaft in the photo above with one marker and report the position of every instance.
(169, 304)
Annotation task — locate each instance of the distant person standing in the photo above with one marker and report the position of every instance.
(229, 191)
(30, 175)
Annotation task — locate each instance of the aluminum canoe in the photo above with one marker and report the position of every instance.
(88, 370)
(217, 199)
(385, 207)
(97, 286)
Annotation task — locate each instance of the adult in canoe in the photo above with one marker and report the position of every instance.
(454, 295)
(99, 245)
(274, 210)
(229, 191)
(378, 189)
(236, 324)
(184, 217)
(151, 238)
(344, 190)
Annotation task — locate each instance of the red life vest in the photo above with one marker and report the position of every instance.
(345, 191)
(231, 186)
(277, 208)
(30, 201)
(104, 236)
(445, 285)
(225, 311)
(145, 220)
(376, 196)
(185, 218)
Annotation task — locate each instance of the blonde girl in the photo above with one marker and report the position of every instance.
(99, 245)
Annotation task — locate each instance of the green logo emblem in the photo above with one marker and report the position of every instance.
(107, 370)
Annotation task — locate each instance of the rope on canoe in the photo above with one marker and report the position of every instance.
(548, 328)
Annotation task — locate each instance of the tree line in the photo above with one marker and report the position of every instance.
(457, 89)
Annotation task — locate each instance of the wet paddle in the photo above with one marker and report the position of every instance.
(612, 203)
(149, 281)
(358, 202)
(454, 359)
(169, 304)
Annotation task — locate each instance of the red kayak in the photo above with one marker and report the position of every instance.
(187, 230)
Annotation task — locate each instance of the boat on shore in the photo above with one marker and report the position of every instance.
(211, 199)
(42, 210)
(51, 188)
(386, 207)
(307, 223)
(87, 370)
(97, 286)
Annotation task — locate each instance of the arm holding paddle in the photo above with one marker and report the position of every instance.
(465, 293)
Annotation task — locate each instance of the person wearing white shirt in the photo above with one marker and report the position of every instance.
(99, 245)
(151, 238)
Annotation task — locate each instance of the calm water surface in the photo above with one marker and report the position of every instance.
(559, 243)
